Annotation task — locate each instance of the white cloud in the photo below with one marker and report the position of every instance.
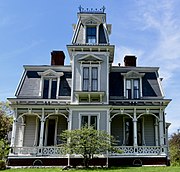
(159, 18)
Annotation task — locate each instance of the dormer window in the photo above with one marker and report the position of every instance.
(132, 89)
(133, 85)
(91, 35)
(49, 86)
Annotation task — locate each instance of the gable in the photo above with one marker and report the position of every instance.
(133, 74)
(90, 57)
(91, 20)
(50, 73)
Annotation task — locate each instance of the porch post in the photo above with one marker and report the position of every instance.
(42, 129)
(109, 132)
(22, 134)
(161, 128)
(161, 131)
(156, 132)
(14, 129)
(69, 128)
(135, 127)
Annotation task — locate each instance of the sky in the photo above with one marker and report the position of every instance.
(149, 29)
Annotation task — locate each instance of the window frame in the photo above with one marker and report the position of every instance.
(89, 115)
(130, 91)
(93, 36)
(50, 92)
(49, 75)
(91, 79)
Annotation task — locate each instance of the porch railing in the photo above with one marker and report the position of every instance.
(37, 151)
(139, 150)
(58, 151)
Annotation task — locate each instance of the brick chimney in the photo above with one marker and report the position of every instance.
(130, 60)
(57, 58)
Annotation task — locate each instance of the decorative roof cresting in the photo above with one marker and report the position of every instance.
(91, 10)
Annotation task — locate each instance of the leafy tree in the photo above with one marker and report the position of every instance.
(174, 144)
(87, 142)
(5, 128)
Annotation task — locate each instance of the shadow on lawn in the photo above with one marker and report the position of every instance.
(95, 168)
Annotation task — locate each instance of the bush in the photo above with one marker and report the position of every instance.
(2, 165)
(174, 144)
(4, 149)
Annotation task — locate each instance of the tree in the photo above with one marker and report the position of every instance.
(174, 144)
(87, 142)
(5, 128)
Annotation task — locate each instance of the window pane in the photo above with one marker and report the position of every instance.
(128, 84)
(86, 72)
(84, 121)
(94, 84)
(128, 89)
(91, 31)
(136, 89)
(54, 89)
(85, 79)
(91, 35)
(46, 89)
(93, 122)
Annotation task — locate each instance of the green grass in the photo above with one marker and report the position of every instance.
(120, 169)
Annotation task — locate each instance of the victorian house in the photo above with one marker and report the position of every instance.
(126, 100)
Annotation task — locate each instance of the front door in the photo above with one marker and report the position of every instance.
(51, 132)
(128, 132)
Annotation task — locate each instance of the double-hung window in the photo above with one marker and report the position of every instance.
(49, 88)
(90, 79)
(89, 120)
(132, 89)
(91, 34)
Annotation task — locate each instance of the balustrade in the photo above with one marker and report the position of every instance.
(58, 151)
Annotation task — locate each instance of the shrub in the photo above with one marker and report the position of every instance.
(2, 165)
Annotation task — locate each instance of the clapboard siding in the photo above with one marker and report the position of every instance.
(29, 132)
(117, 129)
(149, 133)
(18, 133)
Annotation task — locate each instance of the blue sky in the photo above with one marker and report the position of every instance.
(150, 29)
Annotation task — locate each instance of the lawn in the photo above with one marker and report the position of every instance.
(120, 169)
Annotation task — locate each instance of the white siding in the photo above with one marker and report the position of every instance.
(149, 133)
(29, 132)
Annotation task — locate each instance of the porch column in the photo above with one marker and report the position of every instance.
(161, 131)
(69, 128)
(14, 129)
(42, 129)
(135, 128)
(108, 122)
(22, 133)
(156, 132)
(109, 132)
(161, 128)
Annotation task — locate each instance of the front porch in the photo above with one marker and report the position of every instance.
(54, 156)
(57, 151)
